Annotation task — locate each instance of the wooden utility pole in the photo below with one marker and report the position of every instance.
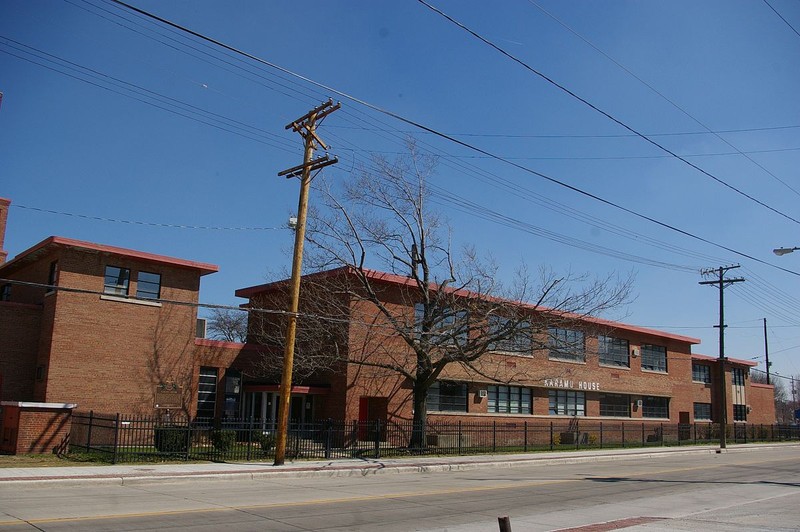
(721, 283)
(306, 126)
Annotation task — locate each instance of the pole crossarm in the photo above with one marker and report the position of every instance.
(312, 166)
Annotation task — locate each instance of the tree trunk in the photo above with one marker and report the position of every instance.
(418, 431)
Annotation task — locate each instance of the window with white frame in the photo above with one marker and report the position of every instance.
(655, 407)
(654, 357)
(701, 373)
(445, 396)
(613, 351)
(509, 400)
(702, 411)
(148, 285)
(117, 281)
(566, 344)
(567, 403)
(518, 335)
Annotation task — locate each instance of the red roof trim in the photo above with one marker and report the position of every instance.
(392, 278)
(739, 361)
(203, 267)
(762, 385)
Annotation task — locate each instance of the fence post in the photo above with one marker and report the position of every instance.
(494, 436)
(577, 434)
(328, 437)
(643, 442)
(623, 435)
(662, 434)
(525, 437)
(377, 438)
(459, 436)
(551, 435)
(89, 432)
(601, 434)
(116, 439)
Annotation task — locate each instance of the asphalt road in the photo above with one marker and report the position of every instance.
(755, 490)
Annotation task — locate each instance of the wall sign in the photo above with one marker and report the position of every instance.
(572, 385)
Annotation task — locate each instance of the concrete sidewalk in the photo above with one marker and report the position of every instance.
(196, 471)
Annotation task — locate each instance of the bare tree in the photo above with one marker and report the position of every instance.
(461, 312)
(228, 325)
(784, 405)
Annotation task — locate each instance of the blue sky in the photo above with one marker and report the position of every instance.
(166, 130)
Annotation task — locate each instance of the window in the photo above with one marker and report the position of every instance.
(207, 392)
(654, 357)
(449, 326)
(740, 412)
(738, 377)
(615, 405)
(613, 351)
(446, 396)
(566, 344)
(701, 373)
(567, 403)
(148, 285)
(52, 277)
(5, 292)
(655, 407)
(117, 281)
(518, 339)
(702, 411)
(509, 400)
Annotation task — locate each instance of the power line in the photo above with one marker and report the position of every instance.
(782, 18)
(602, 112)
(443, 135)
(596, 136)
(139, 222)
(663, 96)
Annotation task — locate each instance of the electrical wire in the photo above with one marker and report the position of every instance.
(602, 112)
(663, 97)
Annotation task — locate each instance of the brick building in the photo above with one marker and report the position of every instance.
(610, 371)
(115, 330)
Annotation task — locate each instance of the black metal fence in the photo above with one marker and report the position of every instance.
(120, 438)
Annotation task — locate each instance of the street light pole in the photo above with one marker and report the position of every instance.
(784, 251)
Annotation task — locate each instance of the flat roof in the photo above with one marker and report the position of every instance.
(400, 280)
(30, 254)
(697, 356)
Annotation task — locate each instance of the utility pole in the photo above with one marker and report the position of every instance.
(766, 348)
(306, 126)
(722, 283)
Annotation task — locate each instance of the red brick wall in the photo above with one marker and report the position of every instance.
(110, 355)
(19, 342)
(41, 429)
(761, 397)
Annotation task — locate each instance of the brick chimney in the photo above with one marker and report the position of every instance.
(4, 203)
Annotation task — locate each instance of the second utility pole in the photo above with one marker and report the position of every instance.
(721, 283)
(306, 126)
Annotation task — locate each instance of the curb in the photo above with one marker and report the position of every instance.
(347, 470)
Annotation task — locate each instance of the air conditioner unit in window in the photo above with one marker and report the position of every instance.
(638, 403)
(749, 409)
(482, 393)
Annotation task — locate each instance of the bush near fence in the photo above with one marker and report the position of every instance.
(120, 438)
